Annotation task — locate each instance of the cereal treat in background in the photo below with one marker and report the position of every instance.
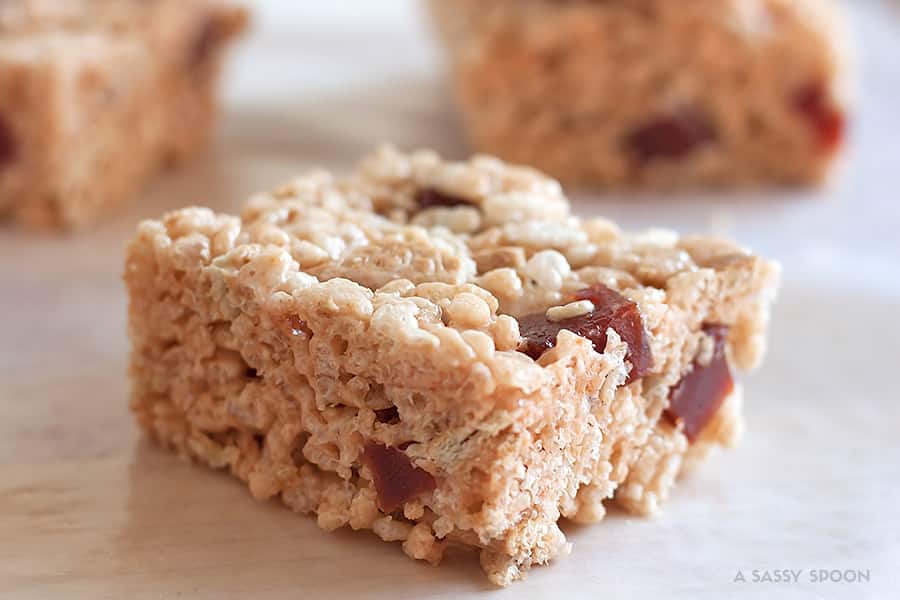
(96, 96)
(655, 93)
(441, 353)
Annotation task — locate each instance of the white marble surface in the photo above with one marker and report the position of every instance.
(815, 485)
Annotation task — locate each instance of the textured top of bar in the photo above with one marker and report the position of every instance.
(433, 249)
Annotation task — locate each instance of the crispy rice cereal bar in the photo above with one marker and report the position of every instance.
(441, 353)
(97, 95)
(651, 92)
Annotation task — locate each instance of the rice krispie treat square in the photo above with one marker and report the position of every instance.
(651, 92)
(441, 353)
(98, 95)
